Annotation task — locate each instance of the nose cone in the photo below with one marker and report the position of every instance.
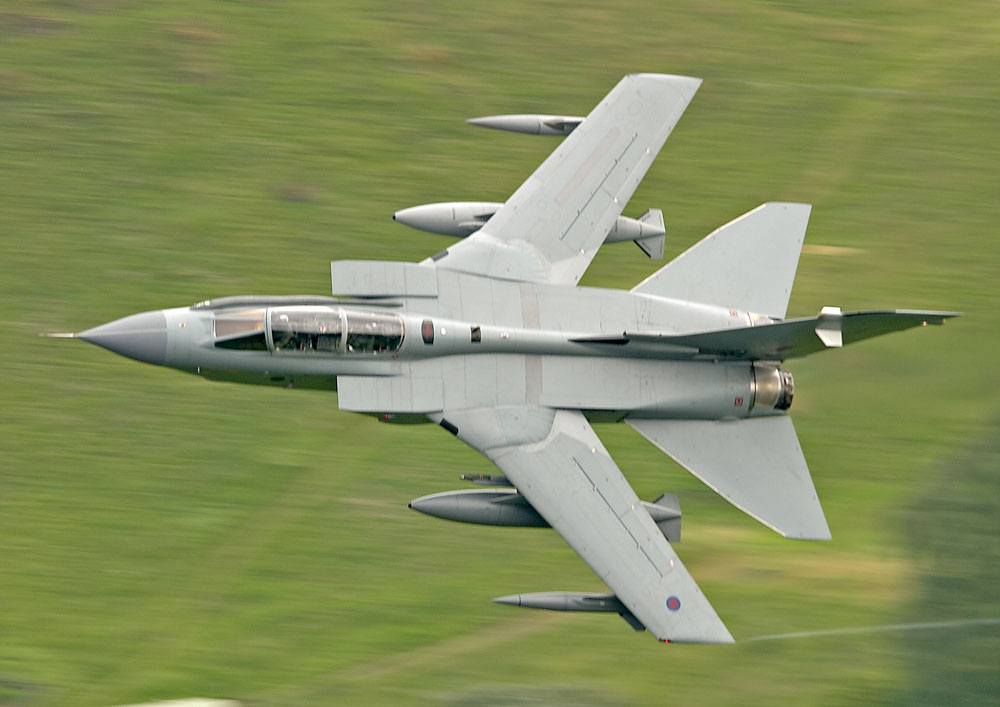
(141, 336)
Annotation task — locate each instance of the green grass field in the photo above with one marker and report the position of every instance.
(165, 537)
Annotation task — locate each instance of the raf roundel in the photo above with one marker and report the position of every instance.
(673, 603)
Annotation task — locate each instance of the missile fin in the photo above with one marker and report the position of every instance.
(654, 245)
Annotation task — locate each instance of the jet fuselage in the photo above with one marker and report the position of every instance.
(530, 356)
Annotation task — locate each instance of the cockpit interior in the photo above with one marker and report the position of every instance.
(309, 330)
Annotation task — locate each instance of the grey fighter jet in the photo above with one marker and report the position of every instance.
(493, 340)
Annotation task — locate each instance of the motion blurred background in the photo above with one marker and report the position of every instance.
(165, 537)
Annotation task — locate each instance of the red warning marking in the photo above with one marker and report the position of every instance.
(427, 331)
(738, 402)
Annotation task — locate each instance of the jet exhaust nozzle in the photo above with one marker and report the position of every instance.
(772, 388)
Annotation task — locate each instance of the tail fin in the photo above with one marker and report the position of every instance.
(747, 264)
(755, 464)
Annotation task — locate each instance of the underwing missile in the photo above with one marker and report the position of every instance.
(534, 124)
(487, 479)
(450, 218)
(463, 218)
(573, 601)
(481, 506)
(507, 507)
(565, 601)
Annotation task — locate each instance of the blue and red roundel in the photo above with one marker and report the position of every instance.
(673, 603)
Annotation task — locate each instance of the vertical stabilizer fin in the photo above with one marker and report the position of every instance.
(755, 464)
(748, 264)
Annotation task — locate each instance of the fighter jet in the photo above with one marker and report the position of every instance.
(493, 340)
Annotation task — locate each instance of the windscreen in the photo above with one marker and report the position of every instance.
(240, 329)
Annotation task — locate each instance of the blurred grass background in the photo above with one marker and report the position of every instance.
(165, 537)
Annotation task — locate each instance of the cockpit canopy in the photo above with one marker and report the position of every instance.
(310, 330)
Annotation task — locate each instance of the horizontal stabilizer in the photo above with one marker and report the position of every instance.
(777, 341)
(748, 264)
(756, 464)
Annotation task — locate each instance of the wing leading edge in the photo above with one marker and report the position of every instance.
(553, 225)
(558, 463)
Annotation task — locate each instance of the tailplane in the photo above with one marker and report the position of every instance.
(747, 264)
(755, 464)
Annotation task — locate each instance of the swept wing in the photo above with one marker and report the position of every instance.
(553, 225)
(559, 465)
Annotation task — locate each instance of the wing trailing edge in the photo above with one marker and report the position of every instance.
(756, 464)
